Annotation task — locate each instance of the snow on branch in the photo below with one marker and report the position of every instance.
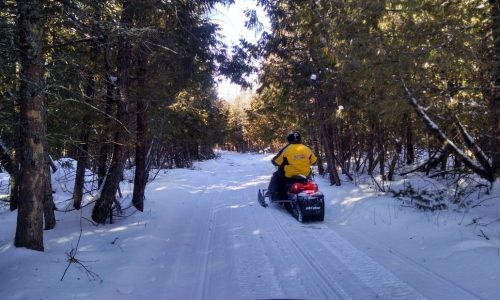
(478, 152)
(434, 128)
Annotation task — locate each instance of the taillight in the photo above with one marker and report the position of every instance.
(310, 187)
(297, 188)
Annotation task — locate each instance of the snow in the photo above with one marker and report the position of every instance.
(203, 235)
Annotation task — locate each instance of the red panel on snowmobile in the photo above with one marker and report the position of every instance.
(300, 187)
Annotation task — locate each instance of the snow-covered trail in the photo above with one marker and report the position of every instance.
(203, 235)
(218, 243)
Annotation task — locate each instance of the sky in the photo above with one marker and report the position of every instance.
(203, 235)
(232, 22)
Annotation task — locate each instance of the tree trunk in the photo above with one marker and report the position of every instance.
(103, 205)
(10, 165)
(14, 190)
(410, 151)
(33, 165)
(330, 159)
(83, 147)
(48, 200)
(102, 162)
(321, 169)
(6, 160)
(14, 177)
(398, 148)
(381, 152)
(141, 146)
(104, 137)
(370, 152)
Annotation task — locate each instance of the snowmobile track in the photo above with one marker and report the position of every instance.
(333, 265)
(324, 284)
(427, 278)
(385, 284)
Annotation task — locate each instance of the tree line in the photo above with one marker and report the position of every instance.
(383, 85)
(111, 84)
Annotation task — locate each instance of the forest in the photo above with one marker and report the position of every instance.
(379, 87)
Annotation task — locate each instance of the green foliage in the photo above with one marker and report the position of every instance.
(359, 51)
(424, 199)
(175, 54)
(8, 72)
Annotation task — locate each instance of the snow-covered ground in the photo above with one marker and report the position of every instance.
(203, 235)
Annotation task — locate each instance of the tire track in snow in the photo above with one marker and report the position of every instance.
(256, 281)
(426, 277)
(188, 276)
(319, 281)
(458, 291)
(385, 284)
(372, 275)
(237, 250)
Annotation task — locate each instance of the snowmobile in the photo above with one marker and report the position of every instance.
(304, 201)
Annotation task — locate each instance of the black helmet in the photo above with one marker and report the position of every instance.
(293, 137)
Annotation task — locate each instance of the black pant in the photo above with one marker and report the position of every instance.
(277, 185)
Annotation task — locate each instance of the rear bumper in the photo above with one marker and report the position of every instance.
(312, 205)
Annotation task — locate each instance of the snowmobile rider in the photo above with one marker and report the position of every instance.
(294, 159)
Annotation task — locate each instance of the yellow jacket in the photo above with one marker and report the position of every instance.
(296, 159)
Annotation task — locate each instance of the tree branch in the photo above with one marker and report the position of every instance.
(434, 129)
(474, 147)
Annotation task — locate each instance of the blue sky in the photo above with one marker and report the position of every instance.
(232, 22)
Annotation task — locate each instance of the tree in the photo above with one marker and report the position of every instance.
(358, 50)
(103, 205)
(29, 230)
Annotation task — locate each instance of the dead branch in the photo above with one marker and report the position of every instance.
(73, 260)
(483, 235)
(478, 152)
(437, 132)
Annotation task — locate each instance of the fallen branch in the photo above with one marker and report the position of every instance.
(381, 189)
(482, 158)
(73, 260)
(483, 235)
(434, 129)
(483, 200)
